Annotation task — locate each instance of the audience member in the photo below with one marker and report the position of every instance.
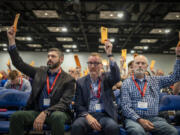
(140, 99)
(17, 82)
(51, 96)
(93, 102)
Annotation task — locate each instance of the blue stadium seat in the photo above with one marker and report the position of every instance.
(4, 127)
(170, 102)
(12, 97)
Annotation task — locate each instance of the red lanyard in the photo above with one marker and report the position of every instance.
(20, 85)
(99, 90)
(144, 89)
(52, 86)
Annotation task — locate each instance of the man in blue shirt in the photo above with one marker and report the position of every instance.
(140, 99)
(93, 102)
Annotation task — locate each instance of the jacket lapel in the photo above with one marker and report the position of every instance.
(87, 85)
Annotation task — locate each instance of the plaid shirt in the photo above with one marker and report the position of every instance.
(130, 95)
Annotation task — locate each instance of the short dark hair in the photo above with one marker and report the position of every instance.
(13, 74)
(60, 53)
(96, 55)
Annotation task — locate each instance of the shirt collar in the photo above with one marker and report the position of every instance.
(96, 82)
(51, 74)
(143, 79)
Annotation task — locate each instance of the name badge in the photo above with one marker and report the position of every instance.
(46, 102)
(98, 107)
(142, 105)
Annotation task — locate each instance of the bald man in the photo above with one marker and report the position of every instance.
(72, 72)
(140, 99)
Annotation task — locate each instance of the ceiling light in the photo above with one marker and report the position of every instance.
(160, 31)
(172, 16)
(4, 45)
(139, 47)
(4, 28)
(132, 51)
(29, 38)
(64, 39)
(34, 45)
(148, 40)
(4, 49)
(46, 13)
(112, 40)
(146, 47)
(172, 48)
(111, 14)
(67, 50)
(74, 46)
(24, 38)
(57, 29)
(167, 30)
(120, 15)
(64, 29)
(101, 46)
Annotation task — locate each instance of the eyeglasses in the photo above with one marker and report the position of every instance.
(93, 63)
(70, 71)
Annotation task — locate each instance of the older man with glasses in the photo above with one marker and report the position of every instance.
(94, 103)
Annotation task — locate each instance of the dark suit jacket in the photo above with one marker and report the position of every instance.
(82, 98)
(62, 93)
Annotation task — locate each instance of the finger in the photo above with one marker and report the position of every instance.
(98, 126)
(35, 126)
(93, 126)
(150, 123)
(149, 127)
(41, 127)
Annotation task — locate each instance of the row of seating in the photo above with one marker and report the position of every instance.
(12, 100)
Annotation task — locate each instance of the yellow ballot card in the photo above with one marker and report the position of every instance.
(104, 34)
(124, 53)
(1, 76)
(8, 63)
(125, 65)
(104, 62)
(32, 63)
(16, 21)
(178, 44)
(76, 58)
(152, 64)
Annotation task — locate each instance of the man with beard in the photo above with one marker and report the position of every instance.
(52, 93)
(140, 99)
(93, 102)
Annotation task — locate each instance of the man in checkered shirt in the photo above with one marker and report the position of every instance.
(140, 99)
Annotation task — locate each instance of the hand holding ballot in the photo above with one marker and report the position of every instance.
(11, 33)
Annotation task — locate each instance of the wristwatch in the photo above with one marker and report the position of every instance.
(47, 113)
(84, 114)
(110, 55)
